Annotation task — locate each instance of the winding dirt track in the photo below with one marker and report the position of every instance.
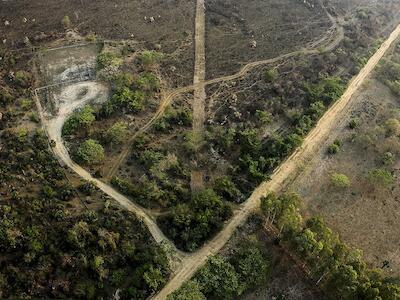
(70, 101)
(314, 139)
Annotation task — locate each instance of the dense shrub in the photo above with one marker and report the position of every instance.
(226, 189)
(22, 78)
(228, 277)
(334, 148)
(70, 254)
(328, 90)
(190, 224)
(389, 74)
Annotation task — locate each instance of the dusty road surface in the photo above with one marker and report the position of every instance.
(315, 138)
(199, 71)
(72, 97)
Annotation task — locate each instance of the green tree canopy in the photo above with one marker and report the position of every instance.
(219, 278)
(189, 291)
(117, 133)
(90, 152)
(82, 118)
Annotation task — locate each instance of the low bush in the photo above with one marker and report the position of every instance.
(190, 224)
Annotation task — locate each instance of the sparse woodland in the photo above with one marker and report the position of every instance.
(61, 237)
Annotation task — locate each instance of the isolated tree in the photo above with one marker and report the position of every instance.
(307, 243)
(270, 206)
(390, 291)
(90, 152)
(343, 282)
(283, 210)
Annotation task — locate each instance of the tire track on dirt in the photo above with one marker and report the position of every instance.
(310, 144)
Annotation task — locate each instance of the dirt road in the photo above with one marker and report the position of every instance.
(199, 70)
(315, 138)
